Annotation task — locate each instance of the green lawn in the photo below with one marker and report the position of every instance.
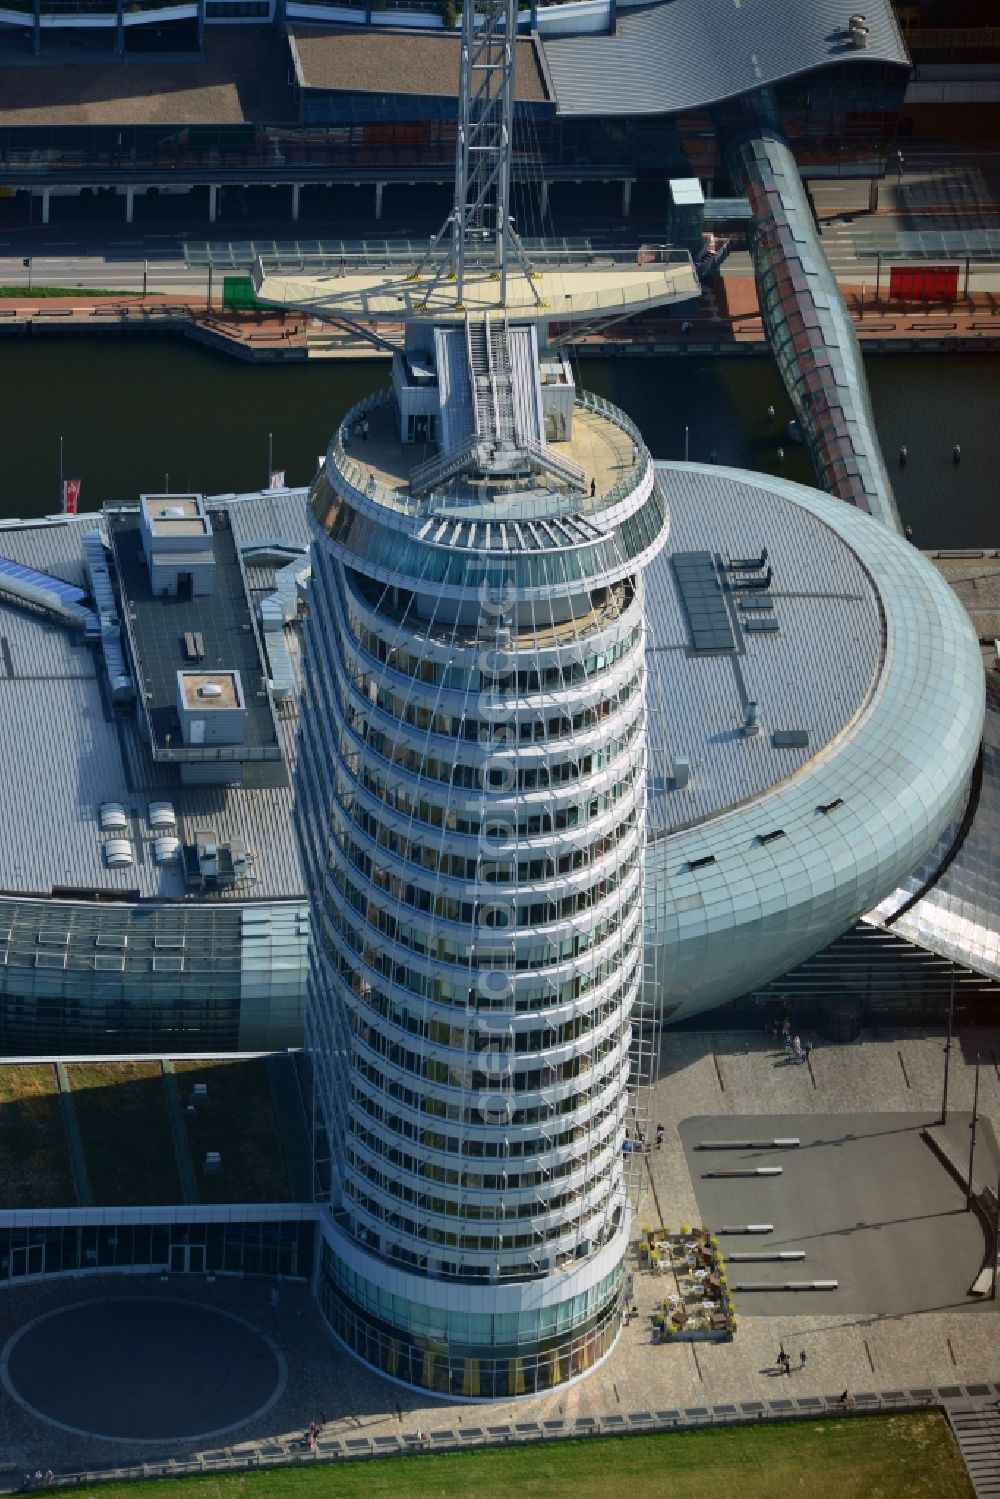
(24, 293)
(239, 1121)
(35, 1169)
(121, 1108)
(872, 1457)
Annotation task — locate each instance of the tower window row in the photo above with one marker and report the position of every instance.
(548, 910)
(504, 867)
(474, 954)
(454, 1075)
(542, 995)
(495, 1148)
(460, 1038)
(468, 1110)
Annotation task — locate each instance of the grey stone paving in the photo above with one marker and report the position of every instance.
(863, 1195)
(143, 1368)
(723, 1075)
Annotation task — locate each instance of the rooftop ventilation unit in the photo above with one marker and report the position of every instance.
(162, 815)
(166, 849)
(113, 818)
(751, 720)
(209, 689)
(118, 853)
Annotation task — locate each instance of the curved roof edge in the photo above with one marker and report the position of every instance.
(689, 54)
(890, 785)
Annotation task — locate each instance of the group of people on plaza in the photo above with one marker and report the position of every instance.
(795, 1049)
(641, 1143)
(784, 1361)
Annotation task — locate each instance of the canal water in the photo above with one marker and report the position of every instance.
(138, 415)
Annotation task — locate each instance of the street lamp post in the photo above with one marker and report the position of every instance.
(947, 1046)
(972, 1142)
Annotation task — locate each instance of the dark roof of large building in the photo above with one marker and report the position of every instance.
(686, 54)
(353, 59)
(242, 77)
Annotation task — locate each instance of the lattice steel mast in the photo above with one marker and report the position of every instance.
(480, 216)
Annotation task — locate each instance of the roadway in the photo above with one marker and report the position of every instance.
(87, 243)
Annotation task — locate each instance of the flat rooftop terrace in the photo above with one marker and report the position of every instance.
(241, 78)
(222, 618)
(558, 294)
(601, 448)
(64, 751)
(351, 60)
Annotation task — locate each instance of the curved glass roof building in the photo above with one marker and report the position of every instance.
(786, 825)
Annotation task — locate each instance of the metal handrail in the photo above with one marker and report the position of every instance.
(367, 487)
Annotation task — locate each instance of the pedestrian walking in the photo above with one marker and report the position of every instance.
(782, 1355)
(659, 1136)
(364, 429)
(593, 488)
(802, 1358)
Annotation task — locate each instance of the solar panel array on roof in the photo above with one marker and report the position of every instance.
(708, 616)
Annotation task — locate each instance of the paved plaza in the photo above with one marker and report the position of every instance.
(863, 1196)
(725, 1078)
(143, 1368)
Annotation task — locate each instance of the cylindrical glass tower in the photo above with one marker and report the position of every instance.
(470, 805)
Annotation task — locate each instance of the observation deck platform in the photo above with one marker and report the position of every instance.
(602, 449)
(600, 290)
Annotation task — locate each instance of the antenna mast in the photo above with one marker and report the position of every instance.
(480, 215)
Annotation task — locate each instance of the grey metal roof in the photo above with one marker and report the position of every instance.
(63, 752)
(815, 671)
(686, 54)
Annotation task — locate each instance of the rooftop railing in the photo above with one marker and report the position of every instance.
(457, 495)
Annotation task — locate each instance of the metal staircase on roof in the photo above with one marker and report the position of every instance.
(497, 445)
(444, 466)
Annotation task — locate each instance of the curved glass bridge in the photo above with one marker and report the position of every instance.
(809, 327)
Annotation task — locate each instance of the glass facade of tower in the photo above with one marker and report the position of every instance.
(470, 808)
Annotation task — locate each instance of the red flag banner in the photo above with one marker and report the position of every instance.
(70, 496)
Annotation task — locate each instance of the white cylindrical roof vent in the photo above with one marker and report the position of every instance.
(118, 853)
(165, 850)
(113, 817)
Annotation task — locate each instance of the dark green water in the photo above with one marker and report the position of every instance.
(131, 413)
